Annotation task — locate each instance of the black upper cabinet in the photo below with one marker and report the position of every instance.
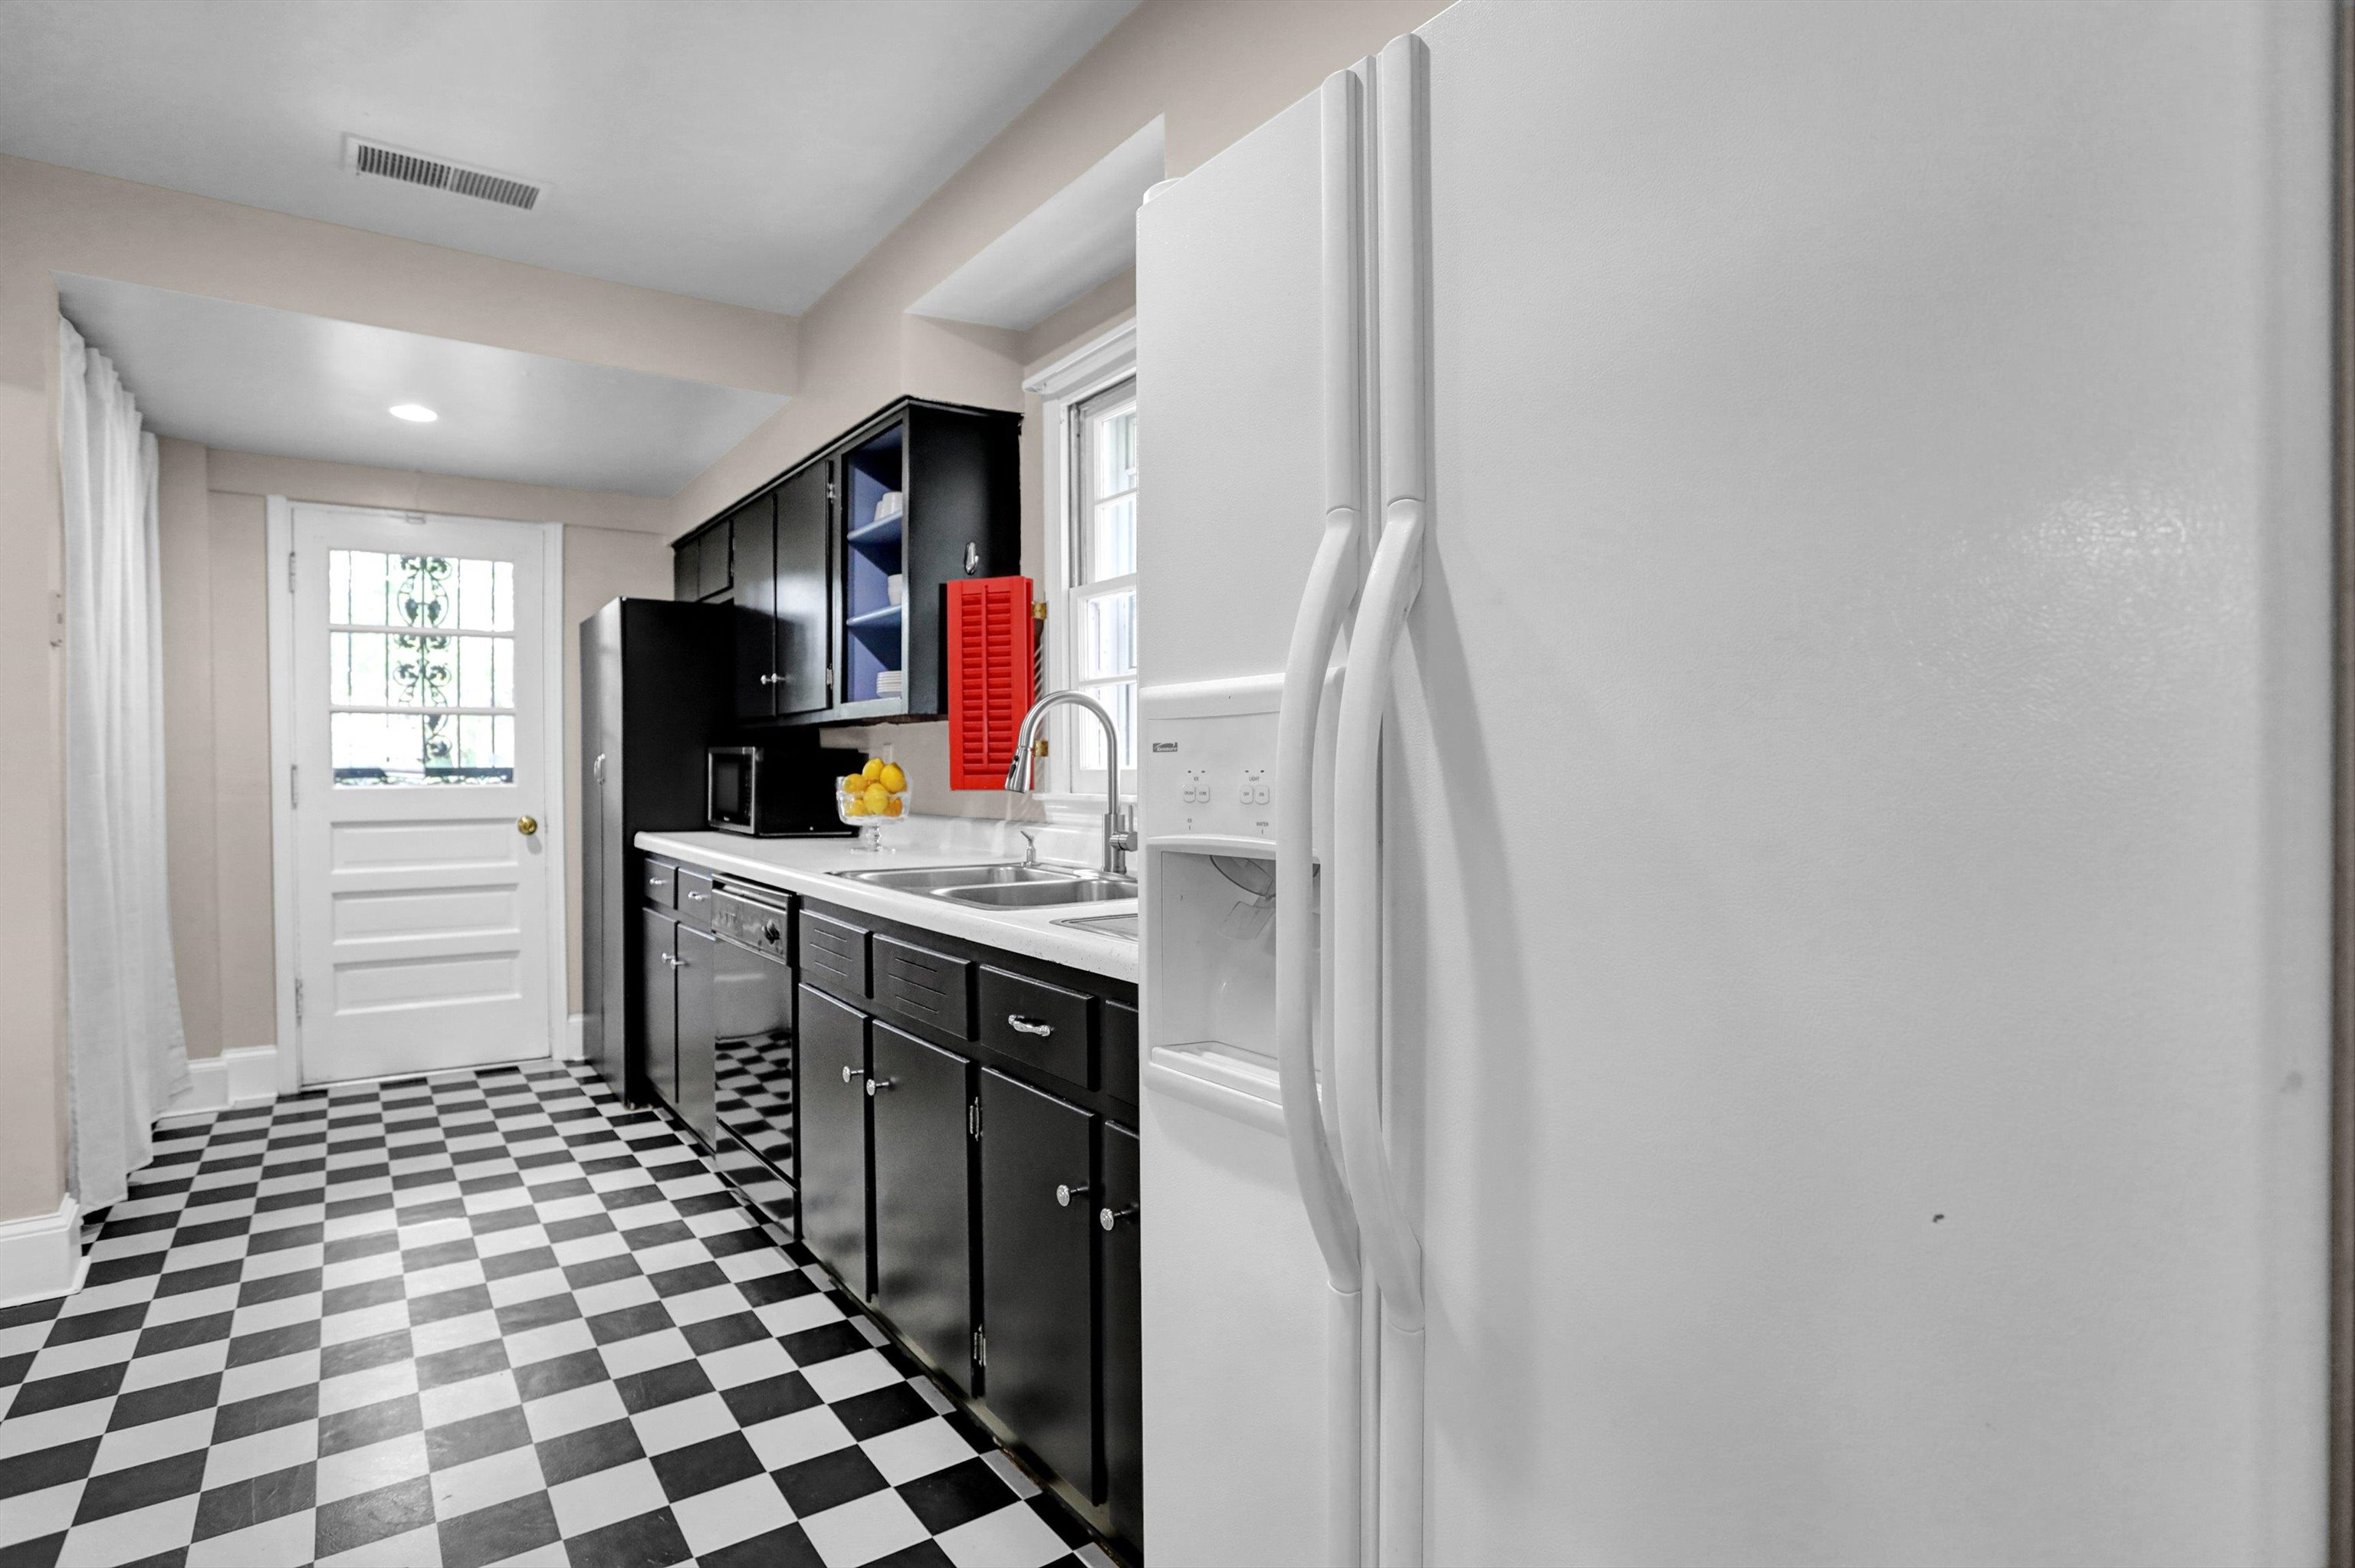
(754, 532)
(843, 564)
(803, 591)
(923, 1219)
(718, 560)
(784, 620)
(702, 564)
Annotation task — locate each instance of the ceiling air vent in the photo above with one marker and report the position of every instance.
(365, 157)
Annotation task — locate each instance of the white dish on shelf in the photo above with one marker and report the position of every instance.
(890, 506)
(896, 587)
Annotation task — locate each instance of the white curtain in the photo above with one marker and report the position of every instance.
(127, 1053)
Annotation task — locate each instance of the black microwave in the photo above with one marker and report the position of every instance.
(770, 792)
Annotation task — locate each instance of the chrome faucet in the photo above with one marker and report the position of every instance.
(1119, 833)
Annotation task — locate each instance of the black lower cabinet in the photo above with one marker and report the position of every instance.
(923, 1197)
(698, 1029)
(658, 1002)
(831, 1097)
(1119, 1275)
(1038, 1211)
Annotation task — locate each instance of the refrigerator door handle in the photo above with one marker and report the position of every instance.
(1390, 1244)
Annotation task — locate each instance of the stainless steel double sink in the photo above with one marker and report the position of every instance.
(1004, 886)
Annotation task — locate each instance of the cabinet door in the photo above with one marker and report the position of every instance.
(658, 1001)
(716, 559)
(1120, 1310)
(755, 534)
(687, 569)
(924, 1198)
(698, 1014)
(1036, 1300)
(801, 592)
(833, 1101)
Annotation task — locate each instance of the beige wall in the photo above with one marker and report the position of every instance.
(217, 683)
(1213, 69)
(55, 220)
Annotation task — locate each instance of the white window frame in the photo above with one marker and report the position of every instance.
(1061, 387)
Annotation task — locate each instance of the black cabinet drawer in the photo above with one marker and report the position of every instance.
(918, 986)
(1040, 1023)
(1037, 1221)
(694, 889)
(1118, 1057)
(662, 884)
(923, 1214)
(833, 953)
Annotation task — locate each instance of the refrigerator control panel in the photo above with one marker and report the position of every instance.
(1209, 762)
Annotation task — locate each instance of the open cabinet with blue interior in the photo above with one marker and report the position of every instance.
(874, 557)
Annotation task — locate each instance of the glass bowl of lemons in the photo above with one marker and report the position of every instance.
(872, 799)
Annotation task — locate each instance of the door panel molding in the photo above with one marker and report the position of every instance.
(279, 534)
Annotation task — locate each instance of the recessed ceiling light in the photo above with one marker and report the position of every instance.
(415, 413)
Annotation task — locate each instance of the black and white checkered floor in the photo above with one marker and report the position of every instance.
(482, 1318)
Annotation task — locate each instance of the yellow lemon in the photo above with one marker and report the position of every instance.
(876, 798)
(853, 783)
(873, 770)
(855, 806)
(892, 808)
(891, 778)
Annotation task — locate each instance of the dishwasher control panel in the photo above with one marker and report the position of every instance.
(752, 923)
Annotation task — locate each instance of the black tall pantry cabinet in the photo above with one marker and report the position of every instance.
(655, 690)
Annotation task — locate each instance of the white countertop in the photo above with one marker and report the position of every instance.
(806, 866)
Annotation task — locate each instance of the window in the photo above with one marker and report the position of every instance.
(420, 686)
(1099, 599)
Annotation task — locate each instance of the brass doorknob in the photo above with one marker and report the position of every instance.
(526, 826)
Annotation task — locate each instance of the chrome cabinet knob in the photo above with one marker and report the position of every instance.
(852, 1074)
(1063, 1195)
(773, 680)
(1107, 1218)
(877, 1086)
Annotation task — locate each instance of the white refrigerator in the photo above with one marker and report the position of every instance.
(1734, 628)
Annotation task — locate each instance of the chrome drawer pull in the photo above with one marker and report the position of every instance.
(1107, 1218)
(1021, 1025)
(699, 895)
(1063, 1195)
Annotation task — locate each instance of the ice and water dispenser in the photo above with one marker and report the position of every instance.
(1208, 799)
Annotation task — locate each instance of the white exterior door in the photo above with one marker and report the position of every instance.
(420, 786)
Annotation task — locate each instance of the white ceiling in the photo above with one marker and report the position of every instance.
(744, 151)
(1083, 235)
(253, 379)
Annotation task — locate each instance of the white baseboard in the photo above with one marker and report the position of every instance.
(576, 1041)
(245, 1076)
(41, 1257)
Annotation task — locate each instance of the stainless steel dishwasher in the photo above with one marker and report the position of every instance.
(748, 1092)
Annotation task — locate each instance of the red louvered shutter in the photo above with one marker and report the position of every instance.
(992, 677)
